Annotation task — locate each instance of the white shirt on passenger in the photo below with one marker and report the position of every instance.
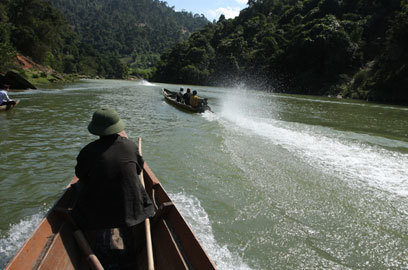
(4, 96)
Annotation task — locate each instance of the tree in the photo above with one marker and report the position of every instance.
(391, 77)
(7, 51)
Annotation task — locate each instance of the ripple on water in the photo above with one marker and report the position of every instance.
(268, 181)
(198, 219)
(15, 237)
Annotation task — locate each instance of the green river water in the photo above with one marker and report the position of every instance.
(266, 181)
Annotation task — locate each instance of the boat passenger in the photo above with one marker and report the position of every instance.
(4, 98)
(194, 99)
(110, 194)
(186, 96)
(179, 97)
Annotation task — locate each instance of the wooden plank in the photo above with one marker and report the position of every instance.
(189, 244)
(36, 246)
(150, 179)
(191, 247)
(63, 252)
(27, 256)
(167, 255)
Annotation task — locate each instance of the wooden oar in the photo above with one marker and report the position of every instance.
(149, 246)
(80, 239)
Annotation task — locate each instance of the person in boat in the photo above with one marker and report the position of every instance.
(194, 99)
(186, 96)
(109, 192)
(179, 96)
(5, 99)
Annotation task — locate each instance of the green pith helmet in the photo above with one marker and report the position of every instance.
(105, 121)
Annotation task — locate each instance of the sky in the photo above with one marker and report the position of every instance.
(212, 9)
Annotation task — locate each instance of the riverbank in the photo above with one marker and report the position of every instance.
(26, 74)
(43, 76)
(35, 76)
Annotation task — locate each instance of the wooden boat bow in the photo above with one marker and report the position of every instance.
(53, 246)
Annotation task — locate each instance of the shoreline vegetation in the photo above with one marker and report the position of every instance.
(38, 76)
(337, 48)
(352, 48)
(97, 39)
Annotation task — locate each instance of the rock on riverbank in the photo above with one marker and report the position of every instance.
(16, 81)
(26, 74)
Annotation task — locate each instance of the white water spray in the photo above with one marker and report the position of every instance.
(146, 83)
(357, 162)
(18, 233)
(199, 221)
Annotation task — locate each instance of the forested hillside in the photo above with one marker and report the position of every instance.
(138, 29)
(36, 29)
(356, 48)
(95, 38)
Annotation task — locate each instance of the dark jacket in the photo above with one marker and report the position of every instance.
(110, 193)
(179, 96)
(186, 98)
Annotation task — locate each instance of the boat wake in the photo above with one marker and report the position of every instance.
(191, 209)
(359, 159)
(210, 116)
(146, 83)
(18, 233)
(377, 167)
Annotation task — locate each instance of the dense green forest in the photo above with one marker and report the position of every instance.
(36, 29)
(95, 38)
(355, 48)
(138, 31)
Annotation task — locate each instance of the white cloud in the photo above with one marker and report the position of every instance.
(229, 12)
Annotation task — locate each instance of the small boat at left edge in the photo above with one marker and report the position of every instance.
(4, 108)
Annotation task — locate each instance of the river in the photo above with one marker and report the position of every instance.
(266, 181)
